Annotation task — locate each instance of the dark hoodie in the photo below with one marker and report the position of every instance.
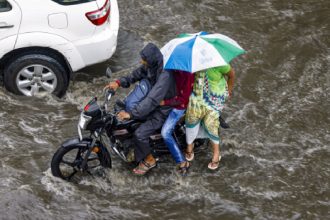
(163, 83)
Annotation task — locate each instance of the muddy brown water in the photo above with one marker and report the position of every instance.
(275, 155)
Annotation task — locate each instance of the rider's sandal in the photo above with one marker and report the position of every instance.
(213, 165)
(189, 155)
(183, 171)
(143, 168)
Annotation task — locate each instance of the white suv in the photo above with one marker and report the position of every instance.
(43, 41)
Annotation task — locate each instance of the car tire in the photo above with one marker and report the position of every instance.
(34, 74)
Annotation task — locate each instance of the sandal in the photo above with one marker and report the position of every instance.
(189, 156)
(183, 171)
(143, 168)
(213, 165)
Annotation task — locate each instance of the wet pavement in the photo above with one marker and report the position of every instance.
(275, 155)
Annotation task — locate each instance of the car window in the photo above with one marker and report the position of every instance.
(71, 2)
(4, 6)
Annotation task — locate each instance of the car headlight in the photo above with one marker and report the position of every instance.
(84, 120)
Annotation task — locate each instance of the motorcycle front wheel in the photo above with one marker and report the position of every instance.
(67, 161)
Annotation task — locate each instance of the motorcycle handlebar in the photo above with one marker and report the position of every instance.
(108, 93)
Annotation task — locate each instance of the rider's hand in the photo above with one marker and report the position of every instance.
(112, 85)
(122, 115)
(162, 103)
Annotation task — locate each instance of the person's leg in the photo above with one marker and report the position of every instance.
(167, 134)
(145, 165)
(214, 164)
(142, 150)
(150, 159)
(216, 151)
(141, 138)
(211, 125)
(191, 135)
(144, 131)
(194, 115)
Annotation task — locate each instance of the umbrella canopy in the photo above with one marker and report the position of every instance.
(199, 51)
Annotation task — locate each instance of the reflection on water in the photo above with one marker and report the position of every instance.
(275, 155)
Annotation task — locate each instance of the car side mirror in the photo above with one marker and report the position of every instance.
(108, 72)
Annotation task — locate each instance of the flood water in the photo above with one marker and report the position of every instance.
(275, 155)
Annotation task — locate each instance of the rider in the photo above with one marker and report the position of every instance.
(162, 87)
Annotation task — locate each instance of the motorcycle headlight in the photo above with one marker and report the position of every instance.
(84, 120)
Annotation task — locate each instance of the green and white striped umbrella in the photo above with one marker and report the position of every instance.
(199, 51)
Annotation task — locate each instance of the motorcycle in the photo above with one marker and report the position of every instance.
(85, 153)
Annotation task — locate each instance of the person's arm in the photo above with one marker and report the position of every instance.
(126, 81)
(230, 81)
(135, 76)
(154, 97)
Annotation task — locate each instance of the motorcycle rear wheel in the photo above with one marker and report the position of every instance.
(67, 161)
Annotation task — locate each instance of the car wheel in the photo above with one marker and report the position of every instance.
(35, 75)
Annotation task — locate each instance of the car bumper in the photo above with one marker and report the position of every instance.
(97, 49)
(103, 44)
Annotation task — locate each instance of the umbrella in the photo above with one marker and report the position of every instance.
(199, 51)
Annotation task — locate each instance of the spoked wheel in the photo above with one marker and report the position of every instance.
(67, 161)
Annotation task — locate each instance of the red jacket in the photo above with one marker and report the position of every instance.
(184, 86)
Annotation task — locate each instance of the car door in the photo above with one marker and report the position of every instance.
(10, 19)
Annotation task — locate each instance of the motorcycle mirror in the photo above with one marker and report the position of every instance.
(108, 72)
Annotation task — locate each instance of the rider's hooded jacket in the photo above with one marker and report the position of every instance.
(163, 83)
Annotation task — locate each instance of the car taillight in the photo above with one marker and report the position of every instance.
(98, 17)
